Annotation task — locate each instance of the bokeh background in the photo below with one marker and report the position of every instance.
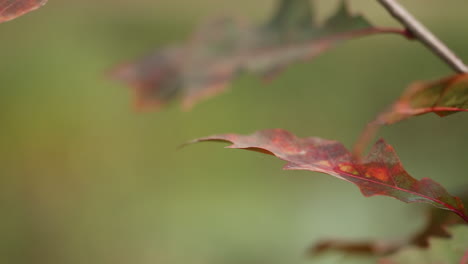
(85, 179)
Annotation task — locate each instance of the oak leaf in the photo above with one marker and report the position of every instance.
(442, 97)
(11, 9)
(380, 173)
(222, 49)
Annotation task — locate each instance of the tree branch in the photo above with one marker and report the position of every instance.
(421, 33)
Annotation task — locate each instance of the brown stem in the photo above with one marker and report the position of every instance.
(424, 35)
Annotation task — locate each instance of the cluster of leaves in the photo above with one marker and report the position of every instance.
(222, 49)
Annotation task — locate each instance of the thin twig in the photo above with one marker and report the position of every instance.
(424, 35)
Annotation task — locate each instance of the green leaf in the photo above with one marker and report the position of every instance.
(291, 15)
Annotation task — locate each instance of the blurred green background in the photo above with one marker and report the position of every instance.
(85, 179)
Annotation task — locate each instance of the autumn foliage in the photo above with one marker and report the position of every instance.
(222, 49)
(380, 173)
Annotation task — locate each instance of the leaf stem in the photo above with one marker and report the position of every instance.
(424, 35)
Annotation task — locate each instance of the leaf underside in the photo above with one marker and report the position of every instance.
(442, 97)
(11, 9)
(222, 49)
(380, 173)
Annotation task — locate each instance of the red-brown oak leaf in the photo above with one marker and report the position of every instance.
(222, 49)
(11, 9)
(442, 97)
(380, 173)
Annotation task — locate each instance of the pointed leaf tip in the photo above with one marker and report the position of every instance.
(11, 9)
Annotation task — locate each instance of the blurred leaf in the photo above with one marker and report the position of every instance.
(452, 250)
(380, 173)
(11, 9)
(353, 247)
(442, 97)
(437, 223)
(221, 49)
